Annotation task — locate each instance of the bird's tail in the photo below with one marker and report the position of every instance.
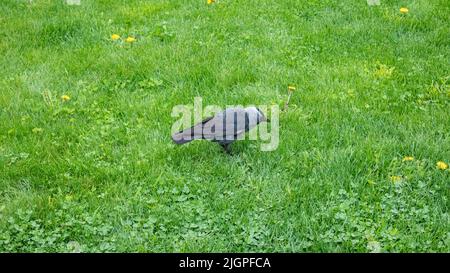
(184, 136)
(179, 140)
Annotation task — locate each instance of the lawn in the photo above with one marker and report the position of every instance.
(87, 162)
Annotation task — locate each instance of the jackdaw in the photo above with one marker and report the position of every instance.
(224, 128)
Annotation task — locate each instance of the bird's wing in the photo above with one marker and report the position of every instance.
(189, 134)
(228, 124)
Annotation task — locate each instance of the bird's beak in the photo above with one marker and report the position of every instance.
(267, 120)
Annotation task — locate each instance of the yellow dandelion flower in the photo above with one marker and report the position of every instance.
(115, 37)
(441, 165)
(396, 178)
(211, 1)
(65, 98)
(291, 88)
(408, 158)
(37, 130)
(130, 40)
(404, 10)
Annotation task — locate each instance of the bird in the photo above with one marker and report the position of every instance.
(223, 128)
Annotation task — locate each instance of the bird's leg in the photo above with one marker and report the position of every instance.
(226, 148)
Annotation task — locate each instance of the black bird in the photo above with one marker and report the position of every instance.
(223, 128)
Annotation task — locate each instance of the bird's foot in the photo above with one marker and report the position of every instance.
(226, 149)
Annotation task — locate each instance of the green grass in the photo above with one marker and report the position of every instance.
(101, 173)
